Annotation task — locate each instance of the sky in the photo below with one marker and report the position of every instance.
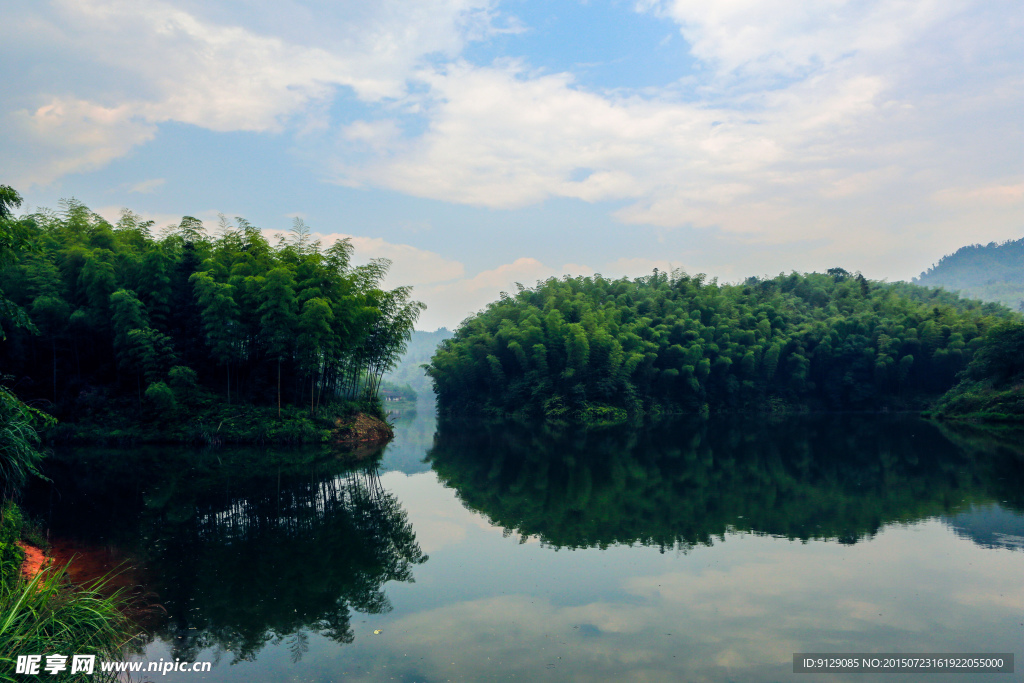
(480, 143)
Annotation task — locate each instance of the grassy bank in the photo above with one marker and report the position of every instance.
(201, 418)
(983, 404)
(47, 614)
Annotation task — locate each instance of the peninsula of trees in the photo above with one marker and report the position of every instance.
(115, 317)
(592, 348)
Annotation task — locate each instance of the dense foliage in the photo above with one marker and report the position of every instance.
(589, 346)
(19, 443)
(45, 613)
(11, 555)
(120, 310)
(992, 386)
(990, 272)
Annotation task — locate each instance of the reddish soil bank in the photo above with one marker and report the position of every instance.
(87, 563)
(35, 560)
(361, 429)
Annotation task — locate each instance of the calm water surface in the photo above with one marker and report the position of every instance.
(690, 551)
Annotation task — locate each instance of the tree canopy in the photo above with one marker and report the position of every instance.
(992, 385)
(589, 346)
(117, 307)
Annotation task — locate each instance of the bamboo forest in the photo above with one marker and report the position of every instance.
(113, 315)
(588, 347)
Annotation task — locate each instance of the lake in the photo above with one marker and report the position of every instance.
(470, 551)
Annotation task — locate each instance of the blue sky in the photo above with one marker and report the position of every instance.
(478, 143)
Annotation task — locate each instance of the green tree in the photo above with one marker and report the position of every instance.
(221, 322)
(314, 338)
(277, 318)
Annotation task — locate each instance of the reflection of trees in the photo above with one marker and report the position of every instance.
(993, 444)
(244, 552)
(683, 483)
(414, 435)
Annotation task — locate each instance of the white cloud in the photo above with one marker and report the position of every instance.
(147, 186)
(1010, 195)
(442, 283)
(869, 115)
(174, 66)
(68, 136)
(507, 138)
(813, 124)
(227, 77)
(409, 265)
(448, 303)
(790, 37)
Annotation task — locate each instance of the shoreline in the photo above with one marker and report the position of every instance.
(243, 425)
(34, 562)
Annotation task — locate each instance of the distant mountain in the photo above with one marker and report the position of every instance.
(421, 348)
(991, 272)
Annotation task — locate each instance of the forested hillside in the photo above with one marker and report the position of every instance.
(991, 272)
(590, 347)
(119, 311)
(409, 369)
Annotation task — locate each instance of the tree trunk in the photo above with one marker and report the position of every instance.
(320, 389)
(278, 388)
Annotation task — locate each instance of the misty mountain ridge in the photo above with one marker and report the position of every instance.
(409, 371)
(990, 272)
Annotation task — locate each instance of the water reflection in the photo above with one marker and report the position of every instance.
(278, 556)
(243, 547)
(684, 483)
(414, 434)
(990, 526)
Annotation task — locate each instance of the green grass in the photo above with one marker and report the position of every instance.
(979, 401)
(48, 615)
(11, 556)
